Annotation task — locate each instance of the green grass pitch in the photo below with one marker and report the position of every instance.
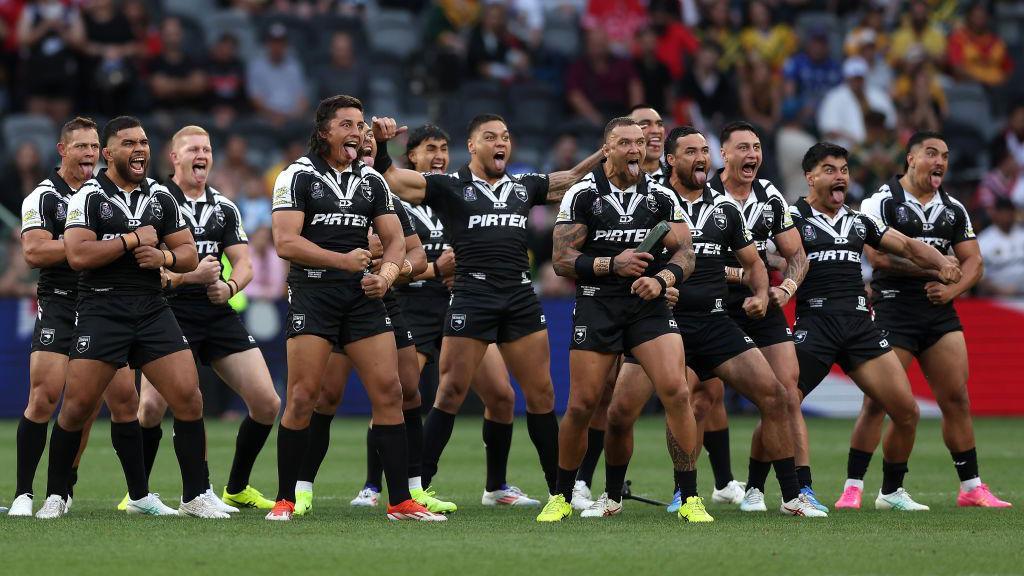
(336, 539)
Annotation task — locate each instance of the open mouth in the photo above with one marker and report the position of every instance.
(200, 171)
(654, 143)
(499, 160)
(838, 193)
(634, 168)
(700, 173)
(936, 178)
(137, 165)
(748, 169)
(437, 165)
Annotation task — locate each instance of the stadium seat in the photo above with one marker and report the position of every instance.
(34, 128)
(194, 41)
(968, 104)
(301, 33)
(236, 23)
(395, 32)
(195, 9)
(561, 33)
(967, 150)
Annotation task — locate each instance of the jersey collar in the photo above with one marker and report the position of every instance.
(62, 187)
(901, 195)
(325, 169)
(757, 189)
(181, 198)
(111, 189)
(604, 186)
(466, 176)
(809, 211)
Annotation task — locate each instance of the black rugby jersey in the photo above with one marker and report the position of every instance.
(216, 224)
(717, 228)
(616, 220)
(46, 208)
(942, 223)
(834, 247)
(766, 214)
(487, 224)
(339, 208)
(432, 235)
(100, 206)
(661, 174)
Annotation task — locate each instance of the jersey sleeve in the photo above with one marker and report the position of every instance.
(572, 209)
(289, 191)
(783, 219)
(875, 230)
(438, 186)
(233, 231)
(739, 235)
(37, 212)
(536, 188)
(82, 210)
(173, 220)
(962, 228)
(381, 199)
(871, 207)
(403, 216)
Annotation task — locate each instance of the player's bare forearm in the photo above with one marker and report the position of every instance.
(791, 247)
(559, 182)
(183, 246)
(776, 262)
(567, 240)
(389, 229)
(754, 271)
(42, 251)
(897, 265)
(680, 243)
(85, 252)
(409, 185)
(972, 268)
(241, 265)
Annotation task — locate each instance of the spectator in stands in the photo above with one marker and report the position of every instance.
(760, 94)
(292, 150)
(772, 42)
(343, 73)
(563, 155)
(718, 27)
(791, 143)
(676, 44)
(446, 24)
(842, 111)
(21, 176)
(1002, 247)
(871, 28)
(145, 31)
(275, 81)
(713, 91)
(225, 76)
(527, 18)
(919, 95)
(1014, 133)
(876, 159)
(234, 173)
(176, 80)
(17, 280)
(109, 72)
(268, 270)
(809, 74)
(976, 53)
(917, 33)
(879, 74)
(1003, 181)
(618, 20)
(494, 52)
(48, 32)
(600, 86)
(654, 74)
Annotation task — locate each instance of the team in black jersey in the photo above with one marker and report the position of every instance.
(915, 311)
(43, 217)
(834, 323)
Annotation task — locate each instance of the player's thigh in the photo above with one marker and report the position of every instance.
(121, 396)
(47, 374)
(587, 373)
(174, 376)
(247, 374)
(86, 381)
(333, 382)
(529, 360)
(631, 392)
(409, 373)
(460, 357)
(782, 359)
(375, 360)
(945, 366)
(750, 374)
(882, 379)
(663, 360)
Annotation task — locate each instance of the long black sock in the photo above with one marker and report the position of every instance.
(63, 447)
(150, 446)
(127, 440)
(374, 467)
(716, 442)
(251, 437)
(318, 440)
(892, 476)
(857, 464)
(437, 430)
(291, 448)
(686, 481)
(785, 472)
(614, 480)
(414, 440)
(564, 481)
(595, 445)
(72, 480)
(543, 429)
(391, 444)
(757, 474)
(497, 444)
(966, 464)
(31, 441)
(189, 447)
(803, 476)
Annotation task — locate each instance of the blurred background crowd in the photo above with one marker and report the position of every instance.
(865, 74)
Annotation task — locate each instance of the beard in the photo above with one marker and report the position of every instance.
(126, 172)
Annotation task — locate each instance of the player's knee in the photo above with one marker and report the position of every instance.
(675, 395)
(620, 419)
(266, 411)
(872, 409)
(907, 417)
(955, 401)
(328, 400)
(541, 400)
(450, 396)
(189, 406)
(74, 414)
(41, 404)
(775, 402)
(502, 404)
(150, 411)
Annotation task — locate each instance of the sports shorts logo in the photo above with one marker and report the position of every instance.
(106, 212)
(543, 319)
(883, 343)
(458, 322)
(251, 339)
(579, 334)
(387, 320)
(298, 322)
(799, 336)
(316, 190)
(748, 339)
(83, 343)
(469, 193)
(46, 336)
(157, 209)
(673, 324)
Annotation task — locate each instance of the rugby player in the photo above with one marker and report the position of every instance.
(114, 224)
(43, 216)
(834, 322)
(915, 312)
(213, 329)
(618, 308)
(323, 206)
(485, 211)
(767, 217)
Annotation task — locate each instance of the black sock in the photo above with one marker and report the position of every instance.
(414, 441)
(595, 445)
(437, 430)
(785, 472)
(543, 429)
(857, 464)
(374, 467)
(250, 440)
(716, 442)
(127, 440)
(291, 448)
(565, 480)
(497, 444)
(686, 481)
(72, 480)
(892, 476)
(803, 476)
(391, 444)
(614, 480)
(31, 441)
(318, 440)
(189, 447)
(63, 447)
(150, 445)
(206, 472)
(966, 464)
(757, 474)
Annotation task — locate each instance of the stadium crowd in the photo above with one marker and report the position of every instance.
(864, 74)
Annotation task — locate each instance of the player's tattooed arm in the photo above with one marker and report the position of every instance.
(681, 241)
(568, 239)
(559, 182)
(791, 248)
(776, 262)
(681, 459)
(898, 265)
(951, 280)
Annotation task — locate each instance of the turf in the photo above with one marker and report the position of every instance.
(95, 539)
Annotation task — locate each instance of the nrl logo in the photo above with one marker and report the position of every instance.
(316, 190)
(106, 212)
(469, 193)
